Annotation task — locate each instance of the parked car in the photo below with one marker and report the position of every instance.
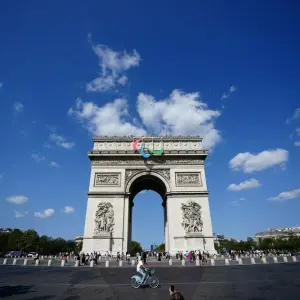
(31, 254)
(13, 254)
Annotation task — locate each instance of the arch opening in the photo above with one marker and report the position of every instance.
(148, 216)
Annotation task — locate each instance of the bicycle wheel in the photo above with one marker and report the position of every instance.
(135, 283)
(153, 282)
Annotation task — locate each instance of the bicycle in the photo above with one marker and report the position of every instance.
(153, 281)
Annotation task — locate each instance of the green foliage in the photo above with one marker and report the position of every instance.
(29, 241)
(161, 247)
(135, 247)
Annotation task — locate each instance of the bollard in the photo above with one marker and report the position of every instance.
(133, 262)
(49, 262)
(76, 263)
(226, 261)
(63, 262)
(37, 262)
(222, 256)
(294, 259)
(212, 262)
(5, 261)
(42, 257)
(240, 261)
(120, 263)
(14, 261)
(252, 259)
(170, 262)
(285, 259)
(275, 259)
(183, 262)
(25, 261)
(92, 263)
(264, 260)
(107, 264)
(197, 262)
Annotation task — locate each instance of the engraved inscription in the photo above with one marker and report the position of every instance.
(190, 179)
(107, 179)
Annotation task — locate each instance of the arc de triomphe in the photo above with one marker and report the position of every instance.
(121, 167)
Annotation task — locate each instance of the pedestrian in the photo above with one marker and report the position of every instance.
(175, 294)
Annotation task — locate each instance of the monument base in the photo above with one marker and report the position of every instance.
(102, 242)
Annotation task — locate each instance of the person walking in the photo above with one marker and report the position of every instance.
(175, 294)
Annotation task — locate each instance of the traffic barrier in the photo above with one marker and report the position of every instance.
(212, 262)
(197, 262)
(76, 263)
(133, 262)
(5, 261)
(63, 262)
(14, 261)
(49, 262)
(170, 262)
(120, 263)
(285, 259)
(107, 264)
(264, 260)
(294, 258)
(25, 261)
(226, 261)
(275, 259)
(37, 262)
(92, 263)
(252, 259)
(240, 261)
(183, 262)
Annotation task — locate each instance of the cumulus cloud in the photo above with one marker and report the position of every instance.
(237, 202)
(245, 185)
(17, 199)
(297, 143)
(248, 162)
(286, 195)
(110, 119)
(37, 157)
(296, 115)
(61, 141)
(18, 107)
(227, 94)
(54, 164)
(45, 213)
(179, 114)
(68, 209)
(19, 214)
(113, 65)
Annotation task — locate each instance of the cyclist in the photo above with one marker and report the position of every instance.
(140, 268)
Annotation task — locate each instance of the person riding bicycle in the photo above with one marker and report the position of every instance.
(140, 268)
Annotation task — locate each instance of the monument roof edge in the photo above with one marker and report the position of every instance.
(129, 138)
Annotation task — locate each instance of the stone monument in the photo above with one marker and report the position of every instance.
(121, 167)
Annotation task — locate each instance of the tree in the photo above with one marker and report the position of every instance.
(135, 247)
(29, 241)
(161, 247)
(15, 240)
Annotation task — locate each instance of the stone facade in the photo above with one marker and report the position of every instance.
(118, 173)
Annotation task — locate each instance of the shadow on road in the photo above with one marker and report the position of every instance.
(8, 290)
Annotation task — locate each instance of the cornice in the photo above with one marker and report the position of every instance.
(130, 138)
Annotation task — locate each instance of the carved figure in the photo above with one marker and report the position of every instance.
(183, 179)
(104, 220)
(107, 179)
(191, 216)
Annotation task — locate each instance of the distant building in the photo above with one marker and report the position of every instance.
(283, 233)
(78, 239)
(220, 237)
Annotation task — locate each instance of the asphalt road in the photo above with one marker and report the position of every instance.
(257, 282)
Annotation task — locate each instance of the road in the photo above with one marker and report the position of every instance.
(256, 282)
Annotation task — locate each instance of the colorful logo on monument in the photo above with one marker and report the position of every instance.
(142, 149)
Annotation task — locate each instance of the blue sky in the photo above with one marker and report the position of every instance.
(64, 64)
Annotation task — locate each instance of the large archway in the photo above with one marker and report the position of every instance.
(175, 170)
(147, 182)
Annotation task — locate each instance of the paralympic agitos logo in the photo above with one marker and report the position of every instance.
(142, 149)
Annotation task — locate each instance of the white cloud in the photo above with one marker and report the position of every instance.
(231, 90)
(296, 115)
(298, 131)
(45, 213)
(1, 84)
(60, 141)
(19, 214)
(109, 119)
(286, 195)
(179, 114)
(297, 143)
(249, 162)
(113, 66)
(68, 209)
(245, 185)
(18, 107)
(237, 202)
(37, 157)
(17, 199)
(54, 164)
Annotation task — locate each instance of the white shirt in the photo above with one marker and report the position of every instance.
(138, 267)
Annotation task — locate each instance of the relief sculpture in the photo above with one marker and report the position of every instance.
(104, 220)
(191, 216)
(188, 179)
(107, 179)
(163, 172)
